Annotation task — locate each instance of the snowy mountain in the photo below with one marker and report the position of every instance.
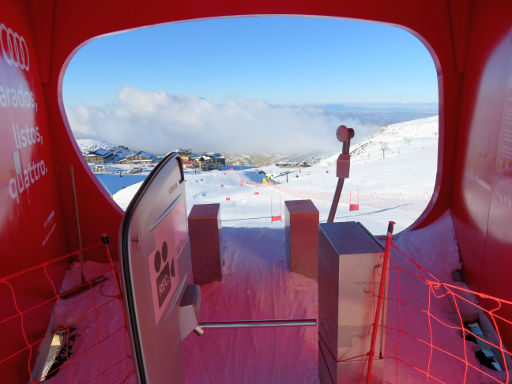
(92, 145)
(392, 140)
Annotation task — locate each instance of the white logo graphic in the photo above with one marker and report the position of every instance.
(14, 48)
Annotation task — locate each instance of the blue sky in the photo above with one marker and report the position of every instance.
(283, 60)
(250, 85)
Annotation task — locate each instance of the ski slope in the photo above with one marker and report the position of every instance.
(392, 171)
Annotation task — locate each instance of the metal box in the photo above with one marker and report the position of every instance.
(348, 283)
(301, 237)
(343, 166)
(204, 231)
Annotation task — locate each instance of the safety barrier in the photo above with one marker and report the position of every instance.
(431, 331)
(87, 338)
(249, 182)
(438, 331)
(276, 217)
(371, 200)
(353, 206)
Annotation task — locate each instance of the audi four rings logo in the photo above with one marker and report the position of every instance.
(14, 48)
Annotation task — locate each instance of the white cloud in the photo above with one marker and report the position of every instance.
(159, 122)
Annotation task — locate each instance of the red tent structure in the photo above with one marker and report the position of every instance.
(53, 209)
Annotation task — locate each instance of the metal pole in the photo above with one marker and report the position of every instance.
(77, 223)
(259, 323)
(380, 300)
(344, 135)
(335, 200)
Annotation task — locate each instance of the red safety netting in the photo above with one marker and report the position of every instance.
(439, 331)
(428, 318)
(79, 304)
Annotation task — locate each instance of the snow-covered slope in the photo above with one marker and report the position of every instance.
(391, 184)
(406, 137)
(399, 138)
(125, 195)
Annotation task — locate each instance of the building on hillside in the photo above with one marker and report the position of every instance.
(193, 161)
(106, 154)
(190, 164)
(219, 158)
(210, 160)
(184, 154)
(205, 162)
(91, 158)
(99, 156)
(140, 157)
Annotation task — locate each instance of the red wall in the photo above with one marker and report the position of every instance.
(37, 221)
(78, 21)
(30, 212)
(32, 226)
(469, 40)
(470, 43)
(482, 193)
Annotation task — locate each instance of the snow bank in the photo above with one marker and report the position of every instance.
(256, 285)
(421, 314)
(125, 195)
